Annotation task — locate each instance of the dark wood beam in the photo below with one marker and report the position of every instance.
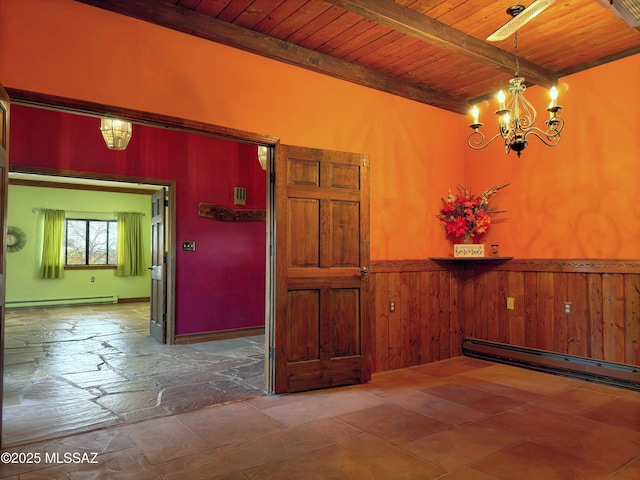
(92, 109)
(412, 22)
(600, 61)
(203, 26)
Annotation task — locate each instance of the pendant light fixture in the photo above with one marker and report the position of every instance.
(116, 133)
(517, 116)
(263, 156)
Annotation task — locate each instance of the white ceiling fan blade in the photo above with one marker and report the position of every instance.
(520, 19)
(628, 10)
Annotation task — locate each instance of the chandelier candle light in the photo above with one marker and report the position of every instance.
(517, 116)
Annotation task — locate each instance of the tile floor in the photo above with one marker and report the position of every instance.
(458, 419)
(74, 369)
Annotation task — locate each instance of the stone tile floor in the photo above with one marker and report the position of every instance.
(458, 419)
(74, 369)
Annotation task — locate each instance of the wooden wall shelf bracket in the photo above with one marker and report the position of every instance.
(470, 262)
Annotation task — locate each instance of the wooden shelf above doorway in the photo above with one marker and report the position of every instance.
(222, 214)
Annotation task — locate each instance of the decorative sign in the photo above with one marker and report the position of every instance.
(467, 250)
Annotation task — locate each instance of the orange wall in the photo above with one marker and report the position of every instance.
(582, 190)
(63, 48)
(579, 199)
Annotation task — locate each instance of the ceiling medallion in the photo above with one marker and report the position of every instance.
(517, 116)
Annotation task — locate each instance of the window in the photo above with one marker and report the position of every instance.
(91, 242)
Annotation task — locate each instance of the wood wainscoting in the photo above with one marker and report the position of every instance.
(423, 309)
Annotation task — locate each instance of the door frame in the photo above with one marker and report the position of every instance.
(74, 106)
(168, 186)
(5, 125)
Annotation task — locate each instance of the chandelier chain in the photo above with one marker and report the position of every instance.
(516, 53)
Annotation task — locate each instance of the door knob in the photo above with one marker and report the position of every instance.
(364, 270)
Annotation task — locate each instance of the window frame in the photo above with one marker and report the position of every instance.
(88, 266)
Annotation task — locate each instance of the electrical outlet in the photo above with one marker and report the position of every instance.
(93, 279)
(567, 307)
(511, 304)
(392, 306)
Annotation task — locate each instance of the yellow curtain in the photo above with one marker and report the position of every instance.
(52, 265)
(130, 247)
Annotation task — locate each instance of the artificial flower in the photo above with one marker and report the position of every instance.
(467, 215)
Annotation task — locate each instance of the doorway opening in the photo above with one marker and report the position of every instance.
(216, 374)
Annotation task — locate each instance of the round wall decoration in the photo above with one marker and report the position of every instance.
(16, 239)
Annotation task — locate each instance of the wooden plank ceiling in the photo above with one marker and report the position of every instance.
(430, 51)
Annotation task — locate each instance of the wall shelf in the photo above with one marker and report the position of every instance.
(470, 259)
(470, 263)
(222, 214)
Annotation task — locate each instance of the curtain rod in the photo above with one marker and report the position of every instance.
(38, 210)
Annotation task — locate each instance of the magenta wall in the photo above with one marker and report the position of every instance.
(222, 284)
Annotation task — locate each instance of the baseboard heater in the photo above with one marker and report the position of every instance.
(617, 374)
(62, 302)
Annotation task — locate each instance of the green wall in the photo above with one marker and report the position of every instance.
(22, 280)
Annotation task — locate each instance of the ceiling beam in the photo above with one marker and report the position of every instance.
(600, 61)
(203, 26)
(92, 109)
(430, 30)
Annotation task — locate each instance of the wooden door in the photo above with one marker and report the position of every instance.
(4, 183)
(322, 328)
(158, 268)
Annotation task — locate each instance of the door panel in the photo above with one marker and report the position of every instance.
(4, 183)
(345, 225)
(322, 328)
(345, 303)
(158, 268)
(304, 335)
(303, 215)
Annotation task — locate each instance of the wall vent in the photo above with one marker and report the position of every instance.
(239, 196)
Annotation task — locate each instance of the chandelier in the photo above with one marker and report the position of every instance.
(517, 118)
(116, 133)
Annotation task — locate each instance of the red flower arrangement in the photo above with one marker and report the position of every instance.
(466, 216)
